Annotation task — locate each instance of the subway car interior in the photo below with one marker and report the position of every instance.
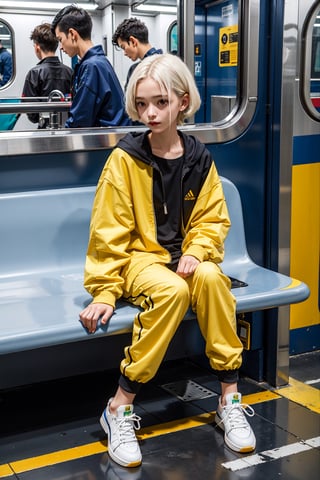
(256, 64)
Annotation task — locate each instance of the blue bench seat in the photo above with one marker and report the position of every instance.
(44, 237)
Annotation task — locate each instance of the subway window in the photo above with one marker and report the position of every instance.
(173, 38)
(224, 55)
(315, 64)
(6, 54)
(216, 53)
(311, 66)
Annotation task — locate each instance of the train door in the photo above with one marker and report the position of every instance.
(274, 160)
(301, 166)
(238, 66)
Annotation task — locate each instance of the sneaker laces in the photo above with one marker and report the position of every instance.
(126, 427)
(235, 415)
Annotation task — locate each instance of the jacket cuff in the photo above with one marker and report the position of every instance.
(198, 252)
(105, 297)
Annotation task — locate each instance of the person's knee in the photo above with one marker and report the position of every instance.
(210, 274)
(181, 289)
(177, 289)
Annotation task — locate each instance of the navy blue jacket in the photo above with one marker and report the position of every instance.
(5, 66)
(152, 51)
(97, 96)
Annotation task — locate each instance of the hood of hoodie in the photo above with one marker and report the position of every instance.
(137, 145)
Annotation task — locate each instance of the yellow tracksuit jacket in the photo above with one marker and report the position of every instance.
(123, 232)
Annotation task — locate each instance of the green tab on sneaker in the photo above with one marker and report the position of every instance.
(125, 410)
(233, 398)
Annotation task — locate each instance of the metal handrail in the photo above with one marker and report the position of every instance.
(34, 107)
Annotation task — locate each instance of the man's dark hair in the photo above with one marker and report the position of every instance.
(131, 27)
(43, 36)
(73, 17)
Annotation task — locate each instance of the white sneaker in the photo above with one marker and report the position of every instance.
(123, 446)
(238, 434)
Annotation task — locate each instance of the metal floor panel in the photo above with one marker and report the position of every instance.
(51, 432)
(188, 390)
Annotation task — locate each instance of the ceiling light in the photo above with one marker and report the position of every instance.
(155, 8)
(40, 6)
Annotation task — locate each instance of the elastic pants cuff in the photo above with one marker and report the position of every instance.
(129, 385)
(227, 376)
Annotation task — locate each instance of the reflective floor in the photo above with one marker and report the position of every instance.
(51, 431)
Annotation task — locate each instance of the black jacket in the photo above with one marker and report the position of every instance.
(49, 74)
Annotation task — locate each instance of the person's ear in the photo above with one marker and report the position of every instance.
(184, 102)
(133, 40)
(73, 34)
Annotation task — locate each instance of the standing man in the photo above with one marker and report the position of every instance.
(132, 37)
(49, 74)
(5, 65)
(97, 96)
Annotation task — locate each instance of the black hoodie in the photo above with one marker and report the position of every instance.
(196, 163)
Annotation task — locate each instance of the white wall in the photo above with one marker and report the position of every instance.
(157, 27)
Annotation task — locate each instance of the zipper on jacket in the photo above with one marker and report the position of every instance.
(164, 203)
(183, 230)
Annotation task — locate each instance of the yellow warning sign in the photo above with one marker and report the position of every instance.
(228, 46)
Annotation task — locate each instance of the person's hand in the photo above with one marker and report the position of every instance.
(187, 265)
(92, 313)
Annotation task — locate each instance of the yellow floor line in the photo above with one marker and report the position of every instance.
(5, 471)
(302, 394)
(89, 449)
(198, 420)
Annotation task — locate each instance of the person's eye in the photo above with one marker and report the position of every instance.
(163, 102)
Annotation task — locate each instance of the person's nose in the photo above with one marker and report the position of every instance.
(151, 111)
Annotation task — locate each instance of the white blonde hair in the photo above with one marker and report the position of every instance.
(172, 74)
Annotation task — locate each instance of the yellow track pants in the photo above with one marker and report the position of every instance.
(164, 298)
